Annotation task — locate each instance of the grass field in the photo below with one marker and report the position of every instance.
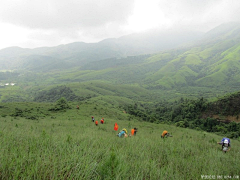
(67, 145)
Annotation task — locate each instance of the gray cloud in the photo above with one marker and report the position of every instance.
(55, 14)
(200, 14)
(86, 14)
(53, 22)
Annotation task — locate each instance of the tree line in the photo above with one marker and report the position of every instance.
(194, 114)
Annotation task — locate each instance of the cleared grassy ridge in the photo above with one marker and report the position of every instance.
(67, 145)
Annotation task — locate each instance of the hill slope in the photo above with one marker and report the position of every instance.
(63, 145)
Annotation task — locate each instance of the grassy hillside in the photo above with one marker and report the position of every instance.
(188, 69)
(67, 145)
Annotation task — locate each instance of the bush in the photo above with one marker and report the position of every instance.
(60, 105)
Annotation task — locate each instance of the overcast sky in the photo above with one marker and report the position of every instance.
(37, 23)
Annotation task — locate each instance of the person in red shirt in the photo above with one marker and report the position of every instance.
(115, 127)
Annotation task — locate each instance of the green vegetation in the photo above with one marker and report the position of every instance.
(56, 93)
(220, 117)
(185, 91)
(67, 145)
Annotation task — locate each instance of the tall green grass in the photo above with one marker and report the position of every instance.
(69, 146)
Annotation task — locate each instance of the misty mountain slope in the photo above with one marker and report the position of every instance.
(175, 72)
(200, 65)
(201, 72)
(130, 70)
(155, 41)
(213, 64)
(36, 62)
(10, 56)
(224, 68)
(224, 72)
(114, 62)
(80, 53)
(222, 32)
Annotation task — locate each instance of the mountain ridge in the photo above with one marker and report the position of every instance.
(80, 53)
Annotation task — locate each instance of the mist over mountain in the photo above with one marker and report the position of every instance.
(223, 31)
(80, 53)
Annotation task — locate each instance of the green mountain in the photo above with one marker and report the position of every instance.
(211, 62)
(215, 63)
(206, 68)
(77, 54)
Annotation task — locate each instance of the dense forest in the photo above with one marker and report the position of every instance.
(56, 93)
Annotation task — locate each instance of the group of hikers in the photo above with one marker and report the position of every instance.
(96, 122)
(225, 142)
(123, 132)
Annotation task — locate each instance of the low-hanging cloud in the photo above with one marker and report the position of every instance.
(53, 22)
(53, 14)
(201, 14)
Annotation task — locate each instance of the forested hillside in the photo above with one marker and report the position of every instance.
(220, 116)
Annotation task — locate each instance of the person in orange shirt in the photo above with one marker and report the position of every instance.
(102, 121)
(134, 131)
(96, 123)
(164, 134)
